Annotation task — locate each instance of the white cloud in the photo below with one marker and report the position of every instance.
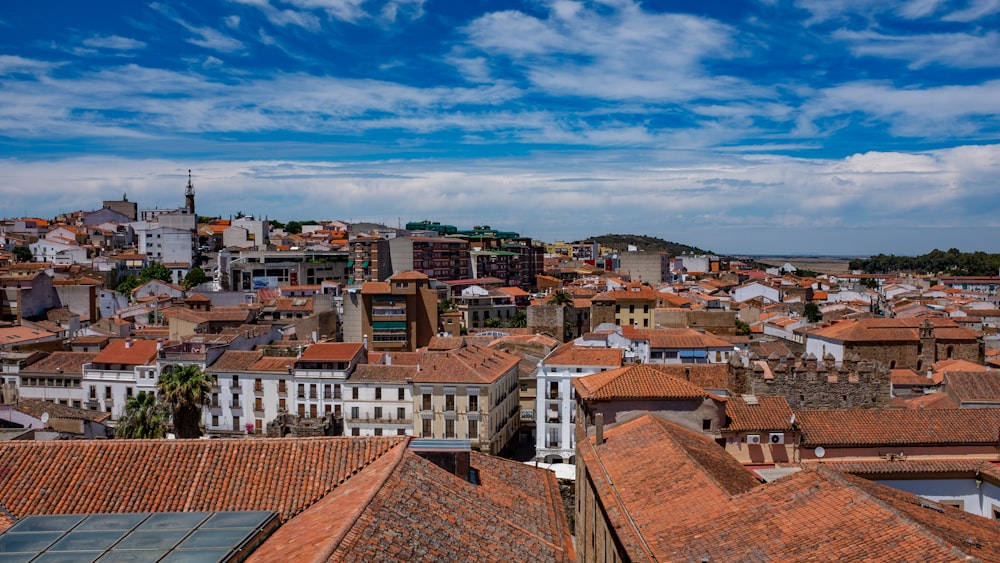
(941, 112)
(870, 202)
(953, 49)
(115, 42)
(619, 52)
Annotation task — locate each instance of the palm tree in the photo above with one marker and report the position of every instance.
(185, 390)
(563, 299)
(518, 320)
(142, 417)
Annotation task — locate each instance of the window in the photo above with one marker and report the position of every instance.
(449, 402)
(258, 385)
(302, 390)
(426, 403)
(281, 386)
(473, 429)
(378, 413)
(236, 381)
(236, 400)
(354, 392)
(426, 428)
(215, 399)
(706, 424)
(312, 390)
(401, 432)
(236, 424)
(336, 390)
(327, 394)
(282, 404)
(258, 404)
(401, 413)
(355, 412)
(128, 392)
(449, 428)
(631, 309)
(473, 403)
(401, 394)
(378, 431)
(355, 431)
(378, 393)
(215, 420)
(107, 392)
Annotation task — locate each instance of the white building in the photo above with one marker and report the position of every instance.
(378, 400)
(556, 402)
(118, 372)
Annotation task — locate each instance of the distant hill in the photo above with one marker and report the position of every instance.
(643, 242)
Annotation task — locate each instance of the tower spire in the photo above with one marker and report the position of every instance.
(189, 195)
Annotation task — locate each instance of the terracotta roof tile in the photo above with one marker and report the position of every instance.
(235, 360)
(382, 373)
(87, 476)
(571, 355)
(470, 364)
(635, 382)
(974, 386)
(61, 362)
(128, 352)
(761, 412)
(331, 351)
(872, 427)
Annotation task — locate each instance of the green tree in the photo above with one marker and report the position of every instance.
(126, 286)
(446, 305)
(742, 328)
(565, 300)
(155, 271)
(185, 389)
(293, 227)
(142, 417)
(23, 254)
(495, 322)
(195, 277)
(811, 311)
(518, 319)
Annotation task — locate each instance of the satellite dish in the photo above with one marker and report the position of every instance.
(45, 418)
(820, 452)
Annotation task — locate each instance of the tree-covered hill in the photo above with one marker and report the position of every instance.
(953, 262)
(647, 243)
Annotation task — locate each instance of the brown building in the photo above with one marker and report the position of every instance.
(913, 343)
(397, 315)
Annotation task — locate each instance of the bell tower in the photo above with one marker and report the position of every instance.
(189, 195)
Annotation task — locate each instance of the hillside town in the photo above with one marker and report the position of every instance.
(177, 386)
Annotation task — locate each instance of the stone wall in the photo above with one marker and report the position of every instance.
(808, 383)
(547, 319)
(287, 424)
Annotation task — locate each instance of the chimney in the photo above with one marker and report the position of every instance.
(599, 432)
(388, 359)
(128, 342)
(364, 341)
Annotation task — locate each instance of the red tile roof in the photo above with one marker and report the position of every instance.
(974, 386)
(892, 330)
(761, 412)
(404, 508)
(331, 351)
(470, 364)
(61, 362)
(635, 382)
(571, 355)
(128, 352)
(284, 475)
(898, 427)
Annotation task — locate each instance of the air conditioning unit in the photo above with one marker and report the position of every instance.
(776, 438)
(753, 439)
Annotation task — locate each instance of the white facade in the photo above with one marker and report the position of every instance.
(820, 347)
(58, 253)
(107, 390)
(755, 290)
(373, 408)
(555, 410)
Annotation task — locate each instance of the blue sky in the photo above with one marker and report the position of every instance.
(805, 126)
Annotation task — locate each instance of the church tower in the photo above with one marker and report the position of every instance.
(189, 196)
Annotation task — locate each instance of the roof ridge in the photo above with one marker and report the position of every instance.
(376, 489)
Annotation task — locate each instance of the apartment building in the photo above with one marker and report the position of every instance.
(378, 400)
(118, 372)
(397, 315)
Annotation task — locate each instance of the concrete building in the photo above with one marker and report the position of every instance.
(649, 267)
(396, 315)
